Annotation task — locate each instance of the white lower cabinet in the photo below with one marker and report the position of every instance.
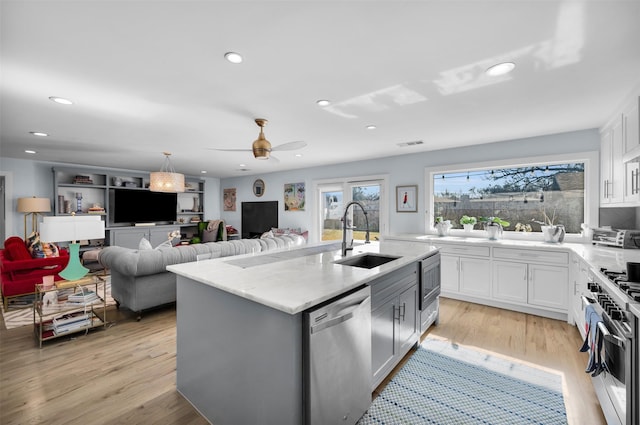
(578, 280)
(548, 286)
(510, 281)
(465, 274)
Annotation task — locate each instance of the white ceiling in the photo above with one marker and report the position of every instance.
(149, 76)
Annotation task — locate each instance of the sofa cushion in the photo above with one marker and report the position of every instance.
(16, 249)
(144, 244)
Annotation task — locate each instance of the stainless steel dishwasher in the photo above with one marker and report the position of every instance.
(337, 359)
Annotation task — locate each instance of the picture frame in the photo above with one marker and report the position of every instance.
(229, 199)
(407, 198)
(294, 196)
(258, 188)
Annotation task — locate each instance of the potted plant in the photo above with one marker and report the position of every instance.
(442, 226)
(551, 232)
(494, 226)
(468, 222)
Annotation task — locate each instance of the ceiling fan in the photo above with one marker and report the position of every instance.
(261, 147)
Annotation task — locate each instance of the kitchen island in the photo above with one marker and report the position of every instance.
(239, 321)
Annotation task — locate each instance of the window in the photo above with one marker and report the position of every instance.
(334, 196)
(527, 195)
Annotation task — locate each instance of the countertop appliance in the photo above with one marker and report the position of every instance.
(621, 238)
(337, 359)
(616, 387)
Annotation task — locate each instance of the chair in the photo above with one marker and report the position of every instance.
(19, 272)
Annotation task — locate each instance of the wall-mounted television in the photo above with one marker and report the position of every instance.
(127, 207)
(258, 217)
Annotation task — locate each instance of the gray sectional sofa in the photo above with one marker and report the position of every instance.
(140, 281)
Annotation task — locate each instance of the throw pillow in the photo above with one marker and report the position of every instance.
(39, 249)
(265, 235)
(16, 249)
(144, 244)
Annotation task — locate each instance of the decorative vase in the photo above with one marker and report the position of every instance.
(553, 234)
(494, 231)
(468, 227)
(196, 207)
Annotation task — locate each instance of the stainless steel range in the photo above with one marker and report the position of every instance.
(617, 381)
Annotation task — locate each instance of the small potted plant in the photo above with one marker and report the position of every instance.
(551, 232)
(442, 226)
(468, 222)
(494, 226)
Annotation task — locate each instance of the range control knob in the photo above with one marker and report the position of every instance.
(593, 287)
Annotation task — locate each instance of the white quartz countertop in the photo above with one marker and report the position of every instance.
(596, 256)
(295, 280)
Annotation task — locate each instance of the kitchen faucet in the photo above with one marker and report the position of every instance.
(344, 227)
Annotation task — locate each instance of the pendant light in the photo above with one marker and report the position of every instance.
(166, 180)
(261, 146)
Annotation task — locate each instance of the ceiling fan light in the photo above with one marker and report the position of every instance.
(166, 180)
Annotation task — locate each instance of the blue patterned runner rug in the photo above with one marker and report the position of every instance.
(445, 384)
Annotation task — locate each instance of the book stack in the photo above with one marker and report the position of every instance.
(96, 209)
(86, 297)
(80, 179)
(71, 322)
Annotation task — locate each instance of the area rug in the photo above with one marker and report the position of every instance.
(22, 316)
(443, 383)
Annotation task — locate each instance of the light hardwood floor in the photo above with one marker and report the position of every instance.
(126, 374)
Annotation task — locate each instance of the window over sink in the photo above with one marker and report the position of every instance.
(527, 193)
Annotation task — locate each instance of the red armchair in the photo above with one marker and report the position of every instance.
(19, 272)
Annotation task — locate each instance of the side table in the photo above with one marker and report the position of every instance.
(69, 307)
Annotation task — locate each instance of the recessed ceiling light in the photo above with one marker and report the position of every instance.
(371, 127)
(500, 69)
(30, 151)
(38, 133)
(323, 102)
(242, 165)
(298, 155)
(233, 57)
(60, 100)
(203, 172)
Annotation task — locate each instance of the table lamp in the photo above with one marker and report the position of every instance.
(72, 228)
(33, 206)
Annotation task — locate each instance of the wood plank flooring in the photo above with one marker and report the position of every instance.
(126, 373)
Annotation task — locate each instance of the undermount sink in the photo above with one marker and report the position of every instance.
(366, 261)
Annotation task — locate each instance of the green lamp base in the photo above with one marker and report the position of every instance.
(74, 270)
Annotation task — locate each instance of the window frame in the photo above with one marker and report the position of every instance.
(591, 188)
(345, 184)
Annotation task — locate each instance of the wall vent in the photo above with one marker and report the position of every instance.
(415, 142)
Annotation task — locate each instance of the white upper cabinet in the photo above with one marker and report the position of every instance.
(631, 130)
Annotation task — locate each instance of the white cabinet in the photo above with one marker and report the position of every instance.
(465, 270)
(631, 127)
(510, 280)
(394, 320)
(537, 278)
(548, 286)
(579, 279)
(612, 177)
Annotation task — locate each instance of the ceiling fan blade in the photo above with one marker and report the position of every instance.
(291, 146)
(230, 150)
(273, 159)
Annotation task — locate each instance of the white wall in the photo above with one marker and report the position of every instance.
(403, 170)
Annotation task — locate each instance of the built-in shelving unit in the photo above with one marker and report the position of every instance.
(86, 191)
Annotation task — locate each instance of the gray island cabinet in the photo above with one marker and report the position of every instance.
(240, 345)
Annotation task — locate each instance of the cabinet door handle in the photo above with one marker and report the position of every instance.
(637, 181)
(394, 313)
(403, 309)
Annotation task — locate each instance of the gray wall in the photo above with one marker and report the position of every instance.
(402, 170)
(35, 178)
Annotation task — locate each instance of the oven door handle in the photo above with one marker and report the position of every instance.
(609, 337)
(586, 301)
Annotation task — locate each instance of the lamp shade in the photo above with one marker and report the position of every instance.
(33, 204)
(71, 228)
(166, 180)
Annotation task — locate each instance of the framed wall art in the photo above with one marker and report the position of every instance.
(407, 198)
(229, 199)
(294, 197)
